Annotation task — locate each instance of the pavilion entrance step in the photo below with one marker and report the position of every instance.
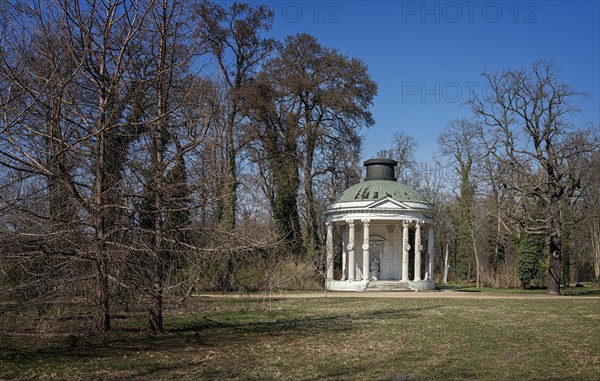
(388, 285)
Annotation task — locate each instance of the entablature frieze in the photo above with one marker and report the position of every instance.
(379, 216)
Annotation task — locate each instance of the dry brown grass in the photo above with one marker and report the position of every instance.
(332, 338)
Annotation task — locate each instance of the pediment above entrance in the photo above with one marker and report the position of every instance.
(387, 203)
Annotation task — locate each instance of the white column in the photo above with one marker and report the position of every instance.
(329, 250)
(430, 248)
(405, 249)
(351, 266)
(344, 256)
(365, 247)
(418, 249)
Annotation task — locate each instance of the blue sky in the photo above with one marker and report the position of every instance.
(428, 55)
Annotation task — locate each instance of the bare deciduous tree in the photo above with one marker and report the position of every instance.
(459, 143)
(402, 150)
(233, 36)
(526, 117)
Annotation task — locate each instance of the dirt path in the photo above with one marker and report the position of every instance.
(403, 294)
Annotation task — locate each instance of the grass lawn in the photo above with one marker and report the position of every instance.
(331, 339)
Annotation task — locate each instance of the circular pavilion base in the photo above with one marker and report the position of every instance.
(379, 285)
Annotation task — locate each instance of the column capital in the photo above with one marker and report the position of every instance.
(350, 223)
(328, 223)
(405, 224)
(365, 221)
(418, 231)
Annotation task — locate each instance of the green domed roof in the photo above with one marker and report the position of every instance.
(374, 190)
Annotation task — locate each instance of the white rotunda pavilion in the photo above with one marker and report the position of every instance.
(377, 232)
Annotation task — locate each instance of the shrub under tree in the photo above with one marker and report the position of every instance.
(529, 256)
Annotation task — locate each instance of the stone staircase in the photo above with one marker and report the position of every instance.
(388, 285)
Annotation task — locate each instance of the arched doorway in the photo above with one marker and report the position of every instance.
(377, 253)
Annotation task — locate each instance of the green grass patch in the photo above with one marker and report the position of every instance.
(331, 339)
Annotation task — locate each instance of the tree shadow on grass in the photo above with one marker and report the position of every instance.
(533, 290)
(581, 292)
(122, 349)
(303, 325)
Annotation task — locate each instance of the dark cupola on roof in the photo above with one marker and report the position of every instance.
(379, 183)
(380, 169)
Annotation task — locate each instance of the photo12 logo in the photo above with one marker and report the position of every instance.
(326, 12)
(469, 11)
(436, 92)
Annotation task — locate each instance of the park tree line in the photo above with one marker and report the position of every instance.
(152, 149)
(515, 186)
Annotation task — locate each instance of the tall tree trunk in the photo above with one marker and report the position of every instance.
(155, 317)
(497, 239)
(61, 210)
(231, 181)
(102, 302)
(469, 270)
(595, 234)
(477, 264)
(229, 201)
(155, 307)
(159, 137)
(312, 223)
(555, 246)
(102, 306)
(286, 180)
(101, 321)
(446, 265)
